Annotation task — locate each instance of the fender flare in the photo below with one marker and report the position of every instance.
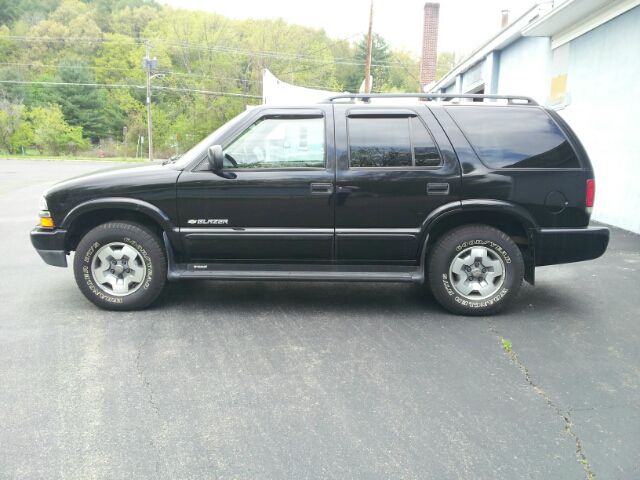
(502, 207)
(132, 204)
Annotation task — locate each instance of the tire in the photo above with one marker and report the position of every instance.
(475, 270)
(105, 276)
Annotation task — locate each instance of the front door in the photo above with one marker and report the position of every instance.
(274, 201)
(395, 166)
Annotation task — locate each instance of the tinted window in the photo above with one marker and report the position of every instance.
(424, 150)
(380, 142)
(515, 137)
(388, 142)
(279, 143)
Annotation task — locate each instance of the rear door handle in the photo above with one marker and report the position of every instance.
(321, 188)
(437, 189)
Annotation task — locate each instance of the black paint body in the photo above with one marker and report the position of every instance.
(335, 215)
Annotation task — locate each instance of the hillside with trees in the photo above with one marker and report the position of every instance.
(71, 77)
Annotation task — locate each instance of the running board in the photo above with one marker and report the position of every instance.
(327, 273)
(289, 272)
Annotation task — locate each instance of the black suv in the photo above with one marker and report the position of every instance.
(467, 197)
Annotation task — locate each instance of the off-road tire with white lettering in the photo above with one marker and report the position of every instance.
(455, 241)
(148, 245)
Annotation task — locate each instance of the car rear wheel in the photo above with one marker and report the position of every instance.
(475, 270)
(120, 266)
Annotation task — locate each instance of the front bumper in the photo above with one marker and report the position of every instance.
(50, 245)
(567, 245)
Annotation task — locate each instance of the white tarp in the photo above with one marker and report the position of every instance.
(277, 92)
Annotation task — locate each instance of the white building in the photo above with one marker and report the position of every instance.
(583, 59)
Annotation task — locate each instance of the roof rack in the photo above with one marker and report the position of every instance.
(367, 97)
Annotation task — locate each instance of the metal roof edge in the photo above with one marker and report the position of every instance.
(577, 15)
(503, 38)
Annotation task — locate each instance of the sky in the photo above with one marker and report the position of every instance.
(464, 24)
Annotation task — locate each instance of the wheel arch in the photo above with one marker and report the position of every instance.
(512, 219)
(88, 215)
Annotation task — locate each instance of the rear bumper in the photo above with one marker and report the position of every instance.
(50, 246)
(567, 245)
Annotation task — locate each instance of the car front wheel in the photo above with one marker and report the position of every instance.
(120, 266)
(475, 270)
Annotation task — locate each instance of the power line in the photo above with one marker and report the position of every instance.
(167, 72)
(278, 55)
(142, 87)
(120, 69)
(89, 67)
(27, 38)
(207, 92)
(218, 49)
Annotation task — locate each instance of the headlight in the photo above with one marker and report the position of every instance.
(45, 216)
(42, 206)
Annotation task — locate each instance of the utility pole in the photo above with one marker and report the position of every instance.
(367, 65)
(149, 65)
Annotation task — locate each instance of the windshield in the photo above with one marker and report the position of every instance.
(199, 149)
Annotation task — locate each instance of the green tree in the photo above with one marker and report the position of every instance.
(403, 75)
(132, 21)
(51, 134)
(34, 10)
(380, 55)
(13, 92)
(85, 105)
(101, 41)
(9, 11)
(23, 137)
(10, 119)
(446, 61)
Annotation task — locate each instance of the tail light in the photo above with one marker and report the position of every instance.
(590, 196)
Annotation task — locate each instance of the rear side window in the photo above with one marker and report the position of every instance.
(391, 142)
(515, 137)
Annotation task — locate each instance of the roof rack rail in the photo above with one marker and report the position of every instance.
(367, 97)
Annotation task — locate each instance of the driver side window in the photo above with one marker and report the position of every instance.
(279, 143)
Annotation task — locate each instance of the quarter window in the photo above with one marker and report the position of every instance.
(391, 142)
(425, 152)
(515, 137)
(279, 143)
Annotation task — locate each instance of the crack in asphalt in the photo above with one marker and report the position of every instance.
(145, 381)
(565, 416)
(146, 384)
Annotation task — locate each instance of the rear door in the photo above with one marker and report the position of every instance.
(395, 166)
(275, 200)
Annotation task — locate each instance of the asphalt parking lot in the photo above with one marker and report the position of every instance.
(301, 380)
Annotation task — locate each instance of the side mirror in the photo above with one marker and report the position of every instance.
(215, 155)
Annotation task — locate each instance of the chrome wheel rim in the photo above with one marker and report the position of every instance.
(118, 269)
(477, 273)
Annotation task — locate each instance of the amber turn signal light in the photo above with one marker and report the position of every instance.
(47, 222)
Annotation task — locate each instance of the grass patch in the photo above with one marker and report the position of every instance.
(506, 345)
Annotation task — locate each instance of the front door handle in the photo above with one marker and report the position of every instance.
(437, 189)
(321, 188)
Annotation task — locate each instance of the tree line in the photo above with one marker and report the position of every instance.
(97, 46)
